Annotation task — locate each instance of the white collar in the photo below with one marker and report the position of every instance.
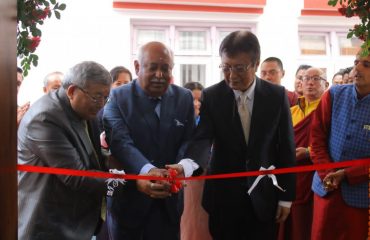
(249, 92)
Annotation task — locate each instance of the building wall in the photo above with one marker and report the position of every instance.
(94, 30)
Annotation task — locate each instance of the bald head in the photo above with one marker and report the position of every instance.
(52, 81)
(152, 47)
(314, 84)
(154, 68)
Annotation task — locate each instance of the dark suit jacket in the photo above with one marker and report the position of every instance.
(271, 142)
(131, 128)
(57, 206)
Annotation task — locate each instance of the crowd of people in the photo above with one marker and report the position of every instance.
(344, 76)
(101, 121)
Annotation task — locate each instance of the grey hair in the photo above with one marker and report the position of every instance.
(142, 50)
(85, 73)
(46, 79)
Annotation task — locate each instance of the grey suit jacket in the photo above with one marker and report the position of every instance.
(57, 206)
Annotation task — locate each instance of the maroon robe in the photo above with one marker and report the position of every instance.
(298, 223)
(292, 97)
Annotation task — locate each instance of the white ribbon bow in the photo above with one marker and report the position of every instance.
(112, 183)
(272, 176)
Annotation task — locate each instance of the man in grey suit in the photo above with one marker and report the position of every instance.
(248, 123)
(57, 132)
(148, 123)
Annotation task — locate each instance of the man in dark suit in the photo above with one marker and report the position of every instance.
(248, 122)
(57, 132)
(147, 124)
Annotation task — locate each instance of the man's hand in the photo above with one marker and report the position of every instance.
(333, 179)
(157, 188)
(21, 110)
(282, 213)
(178, 167)
(301, 153)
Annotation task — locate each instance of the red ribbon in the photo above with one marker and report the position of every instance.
(95, 174)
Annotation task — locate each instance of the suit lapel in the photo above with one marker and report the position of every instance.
(79, 128)
(229, 108)
(257, 111)
(95, 138)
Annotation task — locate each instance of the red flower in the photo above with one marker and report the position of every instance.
(33, 43)
(41, 14)
(342, 10)
(363, 37)
(46, 11)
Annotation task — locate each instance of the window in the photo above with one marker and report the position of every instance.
(313, 44)
(326, 48)
(222, 34)
(192, 40)
(193, 73)
(144, 34)
(348, 46)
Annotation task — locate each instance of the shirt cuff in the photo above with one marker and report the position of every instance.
(146, 168)
(285, 204)
(189, 166)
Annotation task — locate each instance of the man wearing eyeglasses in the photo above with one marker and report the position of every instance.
(57, 132)
(298, 224)
(272, 70)
(148, 123)
(298, 79)
(340, 131)
(247, 122)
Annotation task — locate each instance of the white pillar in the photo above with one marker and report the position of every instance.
(277, 32)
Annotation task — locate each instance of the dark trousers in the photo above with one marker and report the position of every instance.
(239, 222)
(156, 226)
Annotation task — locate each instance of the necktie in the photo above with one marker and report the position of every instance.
(156, 104)
(104, 205)
(244, 115)
(91, 144)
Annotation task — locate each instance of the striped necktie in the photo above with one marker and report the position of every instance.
(244, 115)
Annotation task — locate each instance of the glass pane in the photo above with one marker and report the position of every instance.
(312, 45)
(193, 73)
(349, 46)
(222, 35)
(148, 35)
(193, 40)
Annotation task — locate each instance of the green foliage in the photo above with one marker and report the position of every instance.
(31, 14)
(361, 9)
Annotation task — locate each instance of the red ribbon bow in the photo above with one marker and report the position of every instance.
(176, 184)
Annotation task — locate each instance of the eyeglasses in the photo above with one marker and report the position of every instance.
(366, 64)
(96, 99)
(315, 78)
(300, 78)
(239, 68)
